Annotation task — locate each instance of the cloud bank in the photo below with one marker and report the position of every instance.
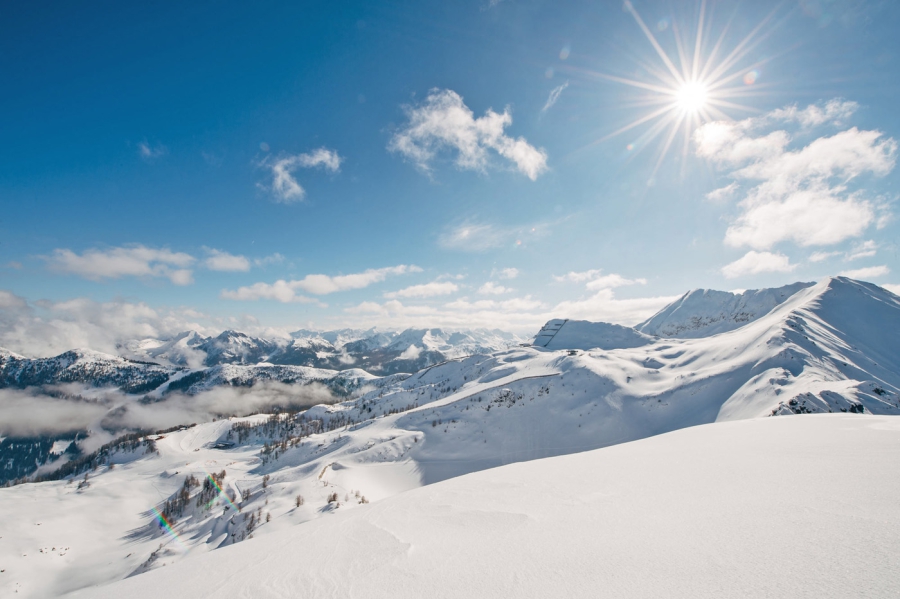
(134, 260)
(801, 195)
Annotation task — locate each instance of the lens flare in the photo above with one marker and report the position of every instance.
(164, 523)
(219, 493)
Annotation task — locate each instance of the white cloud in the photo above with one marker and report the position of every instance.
(134, 260)
(518, 314)
(595, 280)
(723, 193)
(554, 96)
(603, 306)
(432, 289)
(474, 237)
(870, 272)
(328, 159)
(578, 277)
(444, 122)
(275, 258)
(866, 249)
(223, 261)
(895, 289)
(285, 187)
(49, 328)
(754, 262)
(281, 290)
(410, 353)
(323, 284)
(491, 288)
(286, 291)
(505, 273)
(480, 237)
(801, 195)
(834, 111)
(822, 256)
(612, 281)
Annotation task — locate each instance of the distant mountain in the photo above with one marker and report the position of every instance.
(378, 352)
(581, 334)
(92, 368)
(181, 350)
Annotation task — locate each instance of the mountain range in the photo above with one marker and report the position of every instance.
(711, 357)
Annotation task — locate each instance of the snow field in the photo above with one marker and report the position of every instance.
(790, 507)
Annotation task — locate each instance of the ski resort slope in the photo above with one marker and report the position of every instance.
(781, 507)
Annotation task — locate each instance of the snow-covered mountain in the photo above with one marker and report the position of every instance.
(81, 366)
(379, 352)
(181, 350)
(705, 312)
(828, 348)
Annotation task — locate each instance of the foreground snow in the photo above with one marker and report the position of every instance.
(786, 507)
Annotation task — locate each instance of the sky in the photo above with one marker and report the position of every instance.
(272, 166)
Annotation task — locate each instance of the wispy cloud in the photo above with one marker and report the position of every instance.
(801, 195)
(285, 187)
(866, 249)
(433, 289)
(834, 111)
(223, 261)
(275, 258)
(491, 288)
(150, 152)
(554, 96)
(822, 256)
(754, 262)
(317, 284)
(444, 123)
(870, 272)
(505, 273)
(595, 280)
(474, 236)
(117, 262)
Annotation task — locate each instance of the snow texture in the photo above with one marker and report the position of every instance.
(799, 507)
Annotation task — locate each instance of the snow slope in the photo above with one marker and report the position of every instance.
(796, 507)
(581, 334)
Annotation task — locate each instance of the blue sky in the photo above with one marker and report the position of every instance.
(433, 163)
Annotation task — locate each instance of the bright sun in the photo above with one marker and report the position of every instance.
(692, 85)
(692, 97)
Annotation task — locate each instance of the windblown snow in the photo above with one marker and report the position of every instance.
(674, 515)
(798, 507)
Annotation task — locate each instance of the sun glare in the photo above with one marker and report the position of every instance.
(691, 97)
(693, 85)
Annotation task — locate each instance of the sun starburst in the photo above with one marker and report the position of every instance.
(700, 83)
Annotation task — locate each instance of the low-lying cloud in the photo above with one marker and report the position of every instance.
(33, 412)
